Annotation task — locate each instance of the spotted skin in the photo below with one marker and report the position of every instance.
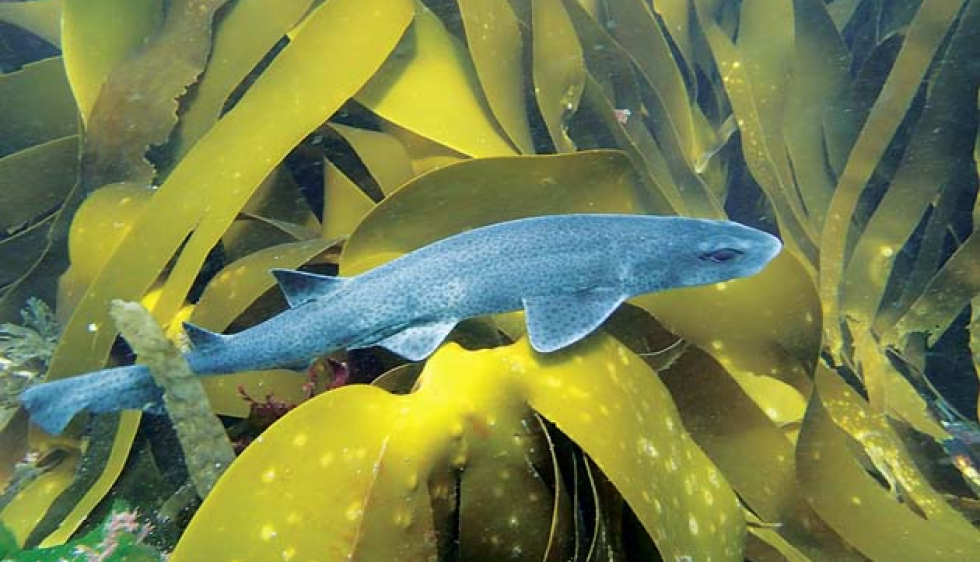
(569, 272)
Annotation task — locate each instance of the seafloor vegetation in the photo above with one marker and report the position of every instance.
(172, 151)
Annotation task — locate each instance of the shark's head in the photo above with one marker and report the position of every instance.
(701, 252)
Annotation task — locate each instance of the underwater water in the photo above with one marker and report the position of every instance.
(582, 392)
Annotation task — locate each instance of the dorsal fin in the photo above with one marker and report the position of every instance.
(300, 287)
(201, 339)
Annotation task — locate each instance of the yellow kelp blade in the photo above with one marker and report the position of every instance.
(767, 324)
(764, 544)
(33, 184)
(497, 45)
(39, 90)
(496, 189)
(215, 180)
(819, 70)
(97, 35)
(753, 453)
(942, 138)
(381, 153)
(975, 341)
(610, 89)
(30, 504)
(430, 87)
(946, 295)
(35, 180)
(889, 392)
(614, 407)
(136, 107)
(344, 203)
(558, 69)
(925, 36)
(675, 119)
(847, 497)
(348, 475)
(494, 474)
(319, 486)
(246, 32)
(755, 92)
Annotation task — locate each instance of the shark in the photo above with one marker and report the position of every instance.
(568, 273)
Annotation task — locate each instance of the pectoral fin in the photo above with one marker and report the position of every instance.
(418, 342)
(557, 321)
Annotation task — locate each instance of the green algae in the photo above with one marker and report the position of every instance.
(119, 538)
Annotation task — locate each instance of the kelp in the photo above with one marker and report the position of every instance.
(143, 88)
(98, 35)
(925, 35)
(40, 90)
(243, 35)
(429, 86)
(280, 128)
(38, 164)
(399, 446)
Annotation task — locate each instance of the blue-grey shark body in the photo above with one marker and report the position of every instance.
(567, 272)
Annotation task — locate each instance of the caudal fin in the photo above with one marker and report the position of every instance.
(52, 405)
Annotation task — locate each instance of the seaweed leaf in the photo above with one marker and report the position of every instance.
(496, 189)
(938, 157)
(136, 106)
(344, 203)
(384, 155)
(928, 30)
(845, 495)
(376, 477)
(41, 91)
(495, 42)
(98, 35)
(768, 324)
(34, 181)
(558, 69)
(754, 79)
(819, 74)
(27, 508)
(751, 450)
(429, 86)
(245, 34)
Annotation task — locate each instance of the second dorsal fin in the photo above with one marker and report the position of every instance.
(300, 287)
(201, 339)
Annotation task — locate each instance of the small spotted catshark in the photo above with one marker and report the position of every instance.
(567, 272)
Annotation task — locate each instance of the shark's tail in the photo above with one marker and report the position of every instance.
(52, 405)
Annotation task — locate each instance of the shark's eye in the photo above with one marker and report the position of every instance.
(721, 255)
